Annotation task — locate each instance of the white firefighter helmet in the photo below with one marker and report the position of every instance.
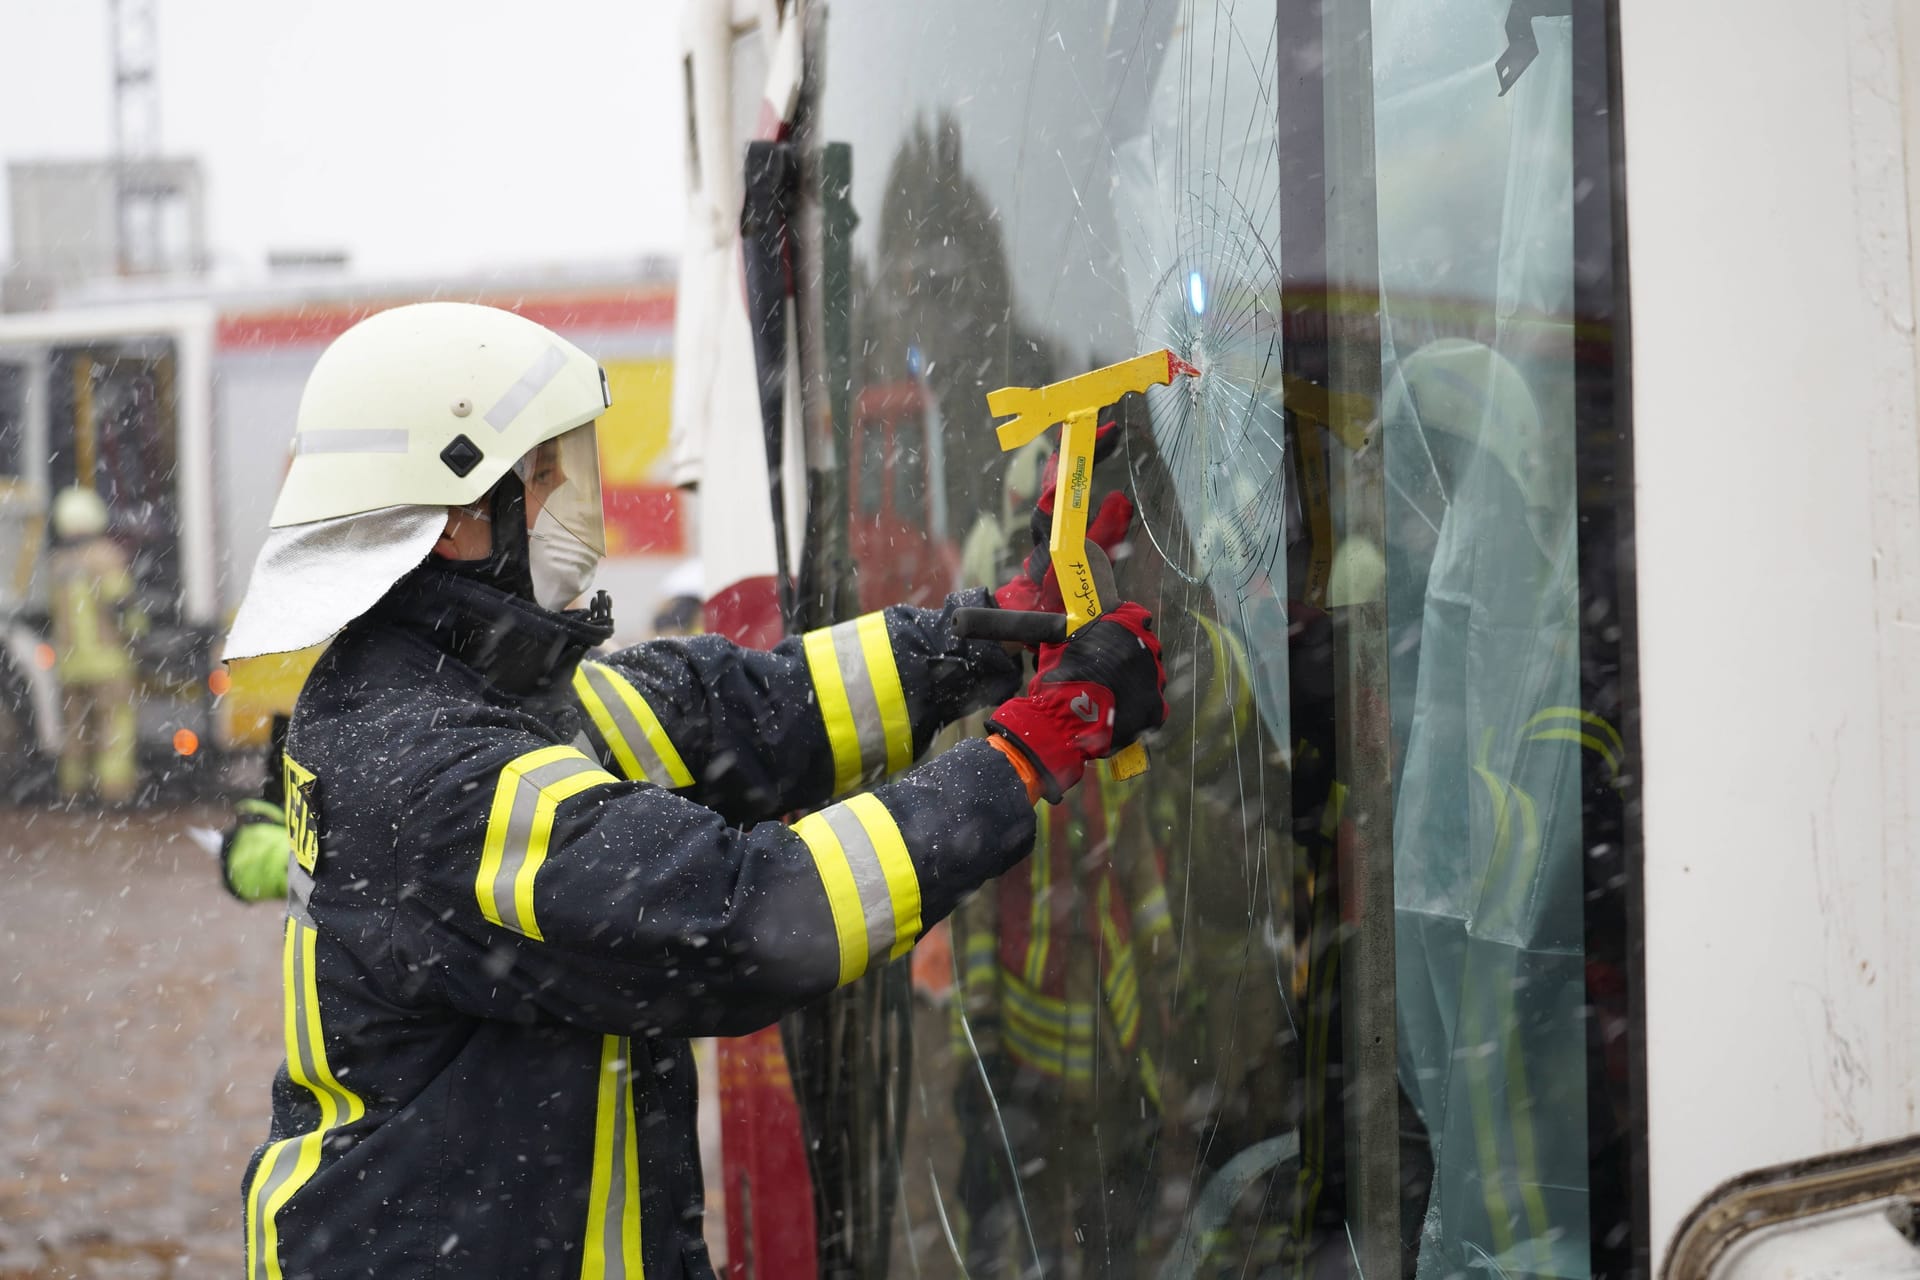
(1467, 389)
(78, 513)
(408, 413)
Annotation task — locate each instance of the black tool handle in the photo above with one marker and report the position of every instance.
(1018, 626)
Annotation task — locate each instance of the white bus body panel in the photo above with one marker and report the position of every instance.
(1768, 147)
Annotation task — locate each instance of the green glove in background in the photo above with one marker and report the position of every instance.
(253, 857)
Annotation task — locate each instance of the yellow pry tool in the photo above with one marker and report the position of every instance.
(1075, 405)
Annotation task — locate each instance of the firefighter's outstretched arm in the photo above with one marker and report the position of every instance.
(553, 891)
(755, 734)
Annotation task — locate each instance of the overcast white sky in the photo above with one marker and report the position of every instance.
(422, 136)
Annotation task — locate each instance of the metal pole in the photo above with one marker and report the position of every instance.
(1330, 312)
(1363, 727)
(136, 129)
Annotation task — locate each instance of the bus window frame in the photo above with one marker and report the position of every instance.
(1328, 179)
(1608, 632)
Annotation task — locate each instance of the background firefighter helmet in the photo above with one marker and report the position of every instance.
(408, 413)
(78, 513)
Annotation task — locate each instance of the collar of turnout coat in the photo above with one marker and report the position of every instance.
(519, 648)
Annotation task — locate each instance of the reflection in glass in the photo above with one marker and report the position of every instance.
(1476, 260)
(1139, 1062)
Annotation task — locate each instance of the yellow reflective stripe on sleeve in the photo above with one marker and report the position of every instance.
(1586, 740)
(612, 1247)
(288, 1163)
(873, 890)
(896, 864)
(1598, 722)
(895, 726)
(632, 731)
(843, 895)
(844, 739)
(861, 699)
(519, 828)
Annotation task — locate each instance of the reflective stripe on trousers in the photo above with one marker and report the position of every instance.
(611, 1250)
(290, 1162)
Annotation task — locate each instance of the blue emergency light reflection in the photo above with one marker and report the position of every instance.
(1196, 293)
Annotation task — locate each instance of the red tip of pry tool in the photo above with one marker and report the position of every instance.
(1176, 367)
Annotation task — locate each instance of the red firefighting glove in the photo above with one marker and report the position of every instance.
(1093, 695)
(1033, 586)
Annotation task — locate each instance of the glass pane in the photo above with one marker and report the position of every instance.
(1312, 994)
(1113, 1068)
(1476, 263)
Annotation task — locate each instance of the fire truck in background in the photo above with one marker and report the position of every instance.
(897, 517)
(179, 414)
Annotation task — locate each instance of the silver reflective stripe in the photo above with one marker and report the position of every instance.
(862, 701)
(513, 851)
(531, 384)
(876, 901)
(275, 1168)
(330, 440)
(613, 1233)
(299, 891)
(303, 982)
(651, 765)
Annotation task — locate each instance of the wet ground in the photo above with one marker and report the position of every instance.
(139, 1034)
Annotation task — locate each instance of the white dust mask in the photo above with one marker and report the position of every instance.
(562, 564)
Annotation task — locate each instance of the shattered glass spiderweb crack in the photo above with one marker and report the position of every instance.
(1220, 514)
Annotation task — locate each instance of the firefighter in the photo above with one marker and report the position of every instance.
(93, 616)
(496, 948)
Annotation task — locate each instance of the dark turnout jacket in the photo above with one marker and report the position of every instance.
(522, 881)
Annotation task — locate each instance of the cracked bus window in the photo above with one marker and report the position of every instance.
(1314, 992)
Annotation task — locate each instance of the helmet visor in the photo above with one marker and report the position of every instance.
(562, 480)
